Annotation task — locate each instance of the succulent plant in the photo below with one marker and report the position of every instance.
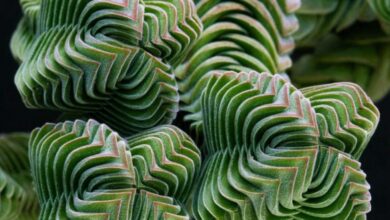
(272, 152)
(122, 69)
(241, 35)
(318, 18)
(361, 59)
(18, 199)
(85, 170)
(109, 60)
(354, 38)
(276, 152)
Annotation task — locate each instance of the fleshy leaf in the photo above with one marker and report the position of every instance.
(346, 116)
(238, 36)
(109, 60)
(85, 170)
(267, 156)
(18, 199)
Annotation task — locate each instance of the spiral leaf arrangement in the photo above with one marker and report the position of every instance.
(346, 116)
(272, 153)
(110, 60)
(239, 35)
(17, 197)
(84, 170)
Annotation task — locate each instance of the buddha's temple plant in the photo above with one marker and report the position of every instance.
(344, 41)
(110, 60)
(265, 147)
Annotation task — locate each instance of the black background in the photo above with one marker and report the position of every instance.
(15, 117)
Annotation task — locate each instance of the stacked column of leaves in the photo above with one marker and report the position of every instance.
(17, 197)
(275, 152)
(85, 170)
(350, 41)
(110, 60)
(272, 151)
(238, 35)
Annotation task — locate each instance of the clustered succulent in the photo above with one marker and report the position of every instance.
(109, 60)
(84, 170)
(261, 147)
(275, 152)
(355, 44)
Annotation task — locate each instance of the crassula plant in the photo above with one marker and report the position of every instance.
(131, 77)
(355, 44)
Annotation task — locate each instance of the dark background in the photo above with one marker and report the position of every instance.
(15, 117)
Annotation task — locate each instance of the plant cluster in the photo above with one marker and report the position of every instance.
(126, 74)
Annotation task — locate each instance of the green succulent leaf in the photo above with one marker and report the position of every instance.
(346, 116)
(166, 161)
(320, 17)
(268, 156)
(382, 11)
(18, 199)
(85, 170)
(359, 58)
(282, 183)
(255, 110)
(22, 40)
(354, 42)
(24, 34)
(109, 60)
(238, 36)
(272, 151)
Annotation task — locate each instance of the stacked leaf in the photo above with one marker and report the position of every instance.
(110, 60)
(17, 197)
(84, 170)
(346, 116)
(241, 35)
(272, 151)
(358, 55)
(27, 28)
(318, 18)
(354, 43)
(166, 161)
(276, 152)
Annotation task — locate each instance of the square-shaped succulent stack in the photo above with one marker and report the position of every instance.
(258, 146)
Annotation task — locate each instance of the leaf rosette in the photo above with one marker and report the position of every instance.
(275, 152)
(85, 170)
(244, 35)
(109, 60)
